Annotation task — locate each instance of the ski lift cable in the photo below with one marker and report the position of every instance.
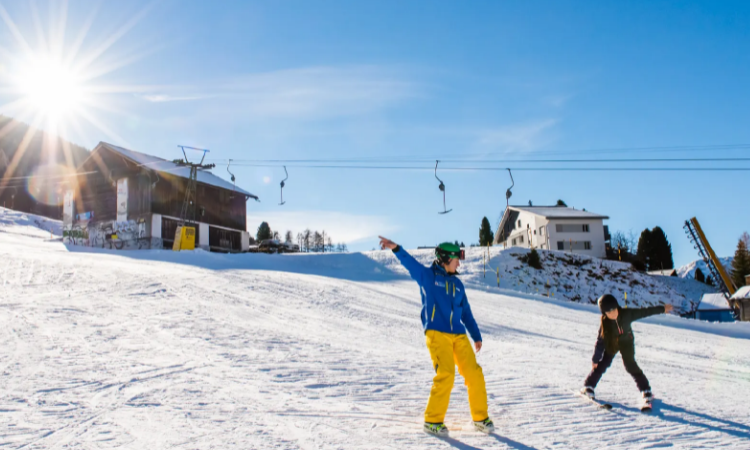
(466, 161)
(525, 169)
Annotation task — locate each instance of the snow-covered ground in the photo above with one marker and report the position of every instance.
(160, 350)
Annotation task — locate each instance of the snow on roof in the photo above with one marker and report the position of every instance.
(743, 292)
(559, 212)
(664, 273)
(713, 302)
(162, 165)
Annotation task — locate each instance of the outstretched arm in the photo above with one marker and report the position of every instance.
(642, 313)
(416, 270)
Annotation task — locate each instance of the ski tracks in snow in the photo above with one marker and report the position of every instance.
(133, 353)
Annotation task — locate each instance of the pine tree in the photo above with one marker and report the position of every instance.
(661, 250)
(485, 233)
(561, 203)
(264, 232)
(741, 262)
(534, 260)
(644, 253)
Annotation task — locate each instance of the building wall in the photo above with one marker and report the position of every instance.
(542, 233)
(595, 236)
(122, 206)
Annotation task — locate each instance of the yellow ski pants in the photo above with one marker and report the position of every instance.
(448, 351)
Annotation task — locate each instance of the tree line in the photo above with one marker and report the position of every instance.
(307, 240)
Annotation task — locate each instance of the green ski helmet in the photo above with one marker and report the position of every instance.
(447, 251)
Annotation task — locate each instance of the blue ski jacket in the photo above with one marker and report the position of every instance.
(445, 306)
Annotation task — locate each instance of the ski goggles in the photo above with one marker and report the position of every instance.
(453, 255)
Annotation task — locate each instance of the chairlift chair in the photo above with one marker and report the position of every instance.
(442, 189)
(282, 186)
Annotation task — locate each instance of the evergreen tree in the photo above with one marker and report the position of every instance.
(288, 238)
(264, 232)
(644, 253)
(485, 233)
(740, 263)
(534, 260)
(661, 251)
(561, 203)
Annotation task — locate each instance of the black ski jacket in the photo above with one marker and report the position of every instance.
(622, 328)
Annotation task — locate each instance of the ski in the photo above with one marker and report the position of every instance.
(599, 403)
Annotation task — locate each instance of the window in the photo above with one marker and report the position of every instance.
(571, 228)
(520, 239)
(587, 245)
(519, 224)
(541, 231)
(560, 245)
(534, 232)
(514, 242)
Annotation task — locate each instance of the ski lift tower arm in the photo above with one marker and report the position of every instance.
(695, 233)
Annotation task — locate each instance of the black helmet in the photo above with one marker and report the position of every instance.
(607, 303)
(445, 251)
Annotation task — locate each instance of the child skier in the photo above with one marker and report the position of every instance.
(446, 315)
(616, 334)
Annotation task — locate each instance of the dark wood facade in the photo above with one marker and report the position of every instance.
(150, 192)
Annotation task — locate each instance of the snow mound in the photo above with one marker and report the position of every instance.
(564, 276)
(688, 270)
(18, 222)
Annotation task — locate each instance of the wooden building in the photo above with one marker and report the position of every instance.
(127, 199)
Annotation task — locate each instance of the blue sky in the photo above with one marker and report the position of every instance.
(470, 80)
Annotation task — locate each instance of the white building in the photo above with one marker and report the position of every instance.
(553, 228)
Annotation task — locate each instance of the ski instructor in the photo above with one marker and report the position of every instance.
(446, 315)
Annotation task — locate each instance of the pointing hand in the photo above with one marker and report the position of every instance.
(387, 243)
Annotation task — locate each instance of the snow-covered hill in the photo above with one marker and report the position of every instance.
(688, 270)
(163, 350)
(566, 276)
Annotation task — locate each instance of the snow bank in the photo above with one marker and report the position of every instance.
(17, 222)
(192, 350)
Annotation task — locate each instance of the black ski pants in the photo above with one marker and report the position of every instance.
(628, 359)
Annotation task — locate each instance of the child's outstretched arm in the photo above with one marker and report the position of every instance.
(642, 313)
(417, 271)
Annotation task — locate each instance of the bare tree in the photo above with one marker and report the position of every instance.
(329, 244)
(619, 241)
(317, 241)
(288, 238)
(341, 247)
(632, 240)
(307, 239)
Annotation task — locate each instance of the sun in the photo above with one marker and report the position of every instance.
(51, 88)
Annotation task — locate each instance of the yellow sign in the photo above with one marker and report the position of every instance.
(184, 239)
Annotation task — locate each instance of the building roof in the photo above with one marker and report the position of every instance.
(743, 292)
(559, 212)
(713, 302)
(664, 273)
(164, 166)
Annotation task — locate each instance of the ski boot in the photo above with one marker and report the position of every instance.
(438, 429)
(485, 426)
(588, 392)
(647, 397)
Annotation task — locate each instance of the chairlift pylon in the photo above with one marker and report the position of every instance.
(282, 186)
(442, 189)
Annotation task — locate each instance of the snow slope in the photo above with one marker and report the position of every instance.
(158, 350)
(565, 276)
(688, 270)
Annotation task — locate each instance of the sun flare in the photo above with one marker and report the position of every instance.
(50, 87)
